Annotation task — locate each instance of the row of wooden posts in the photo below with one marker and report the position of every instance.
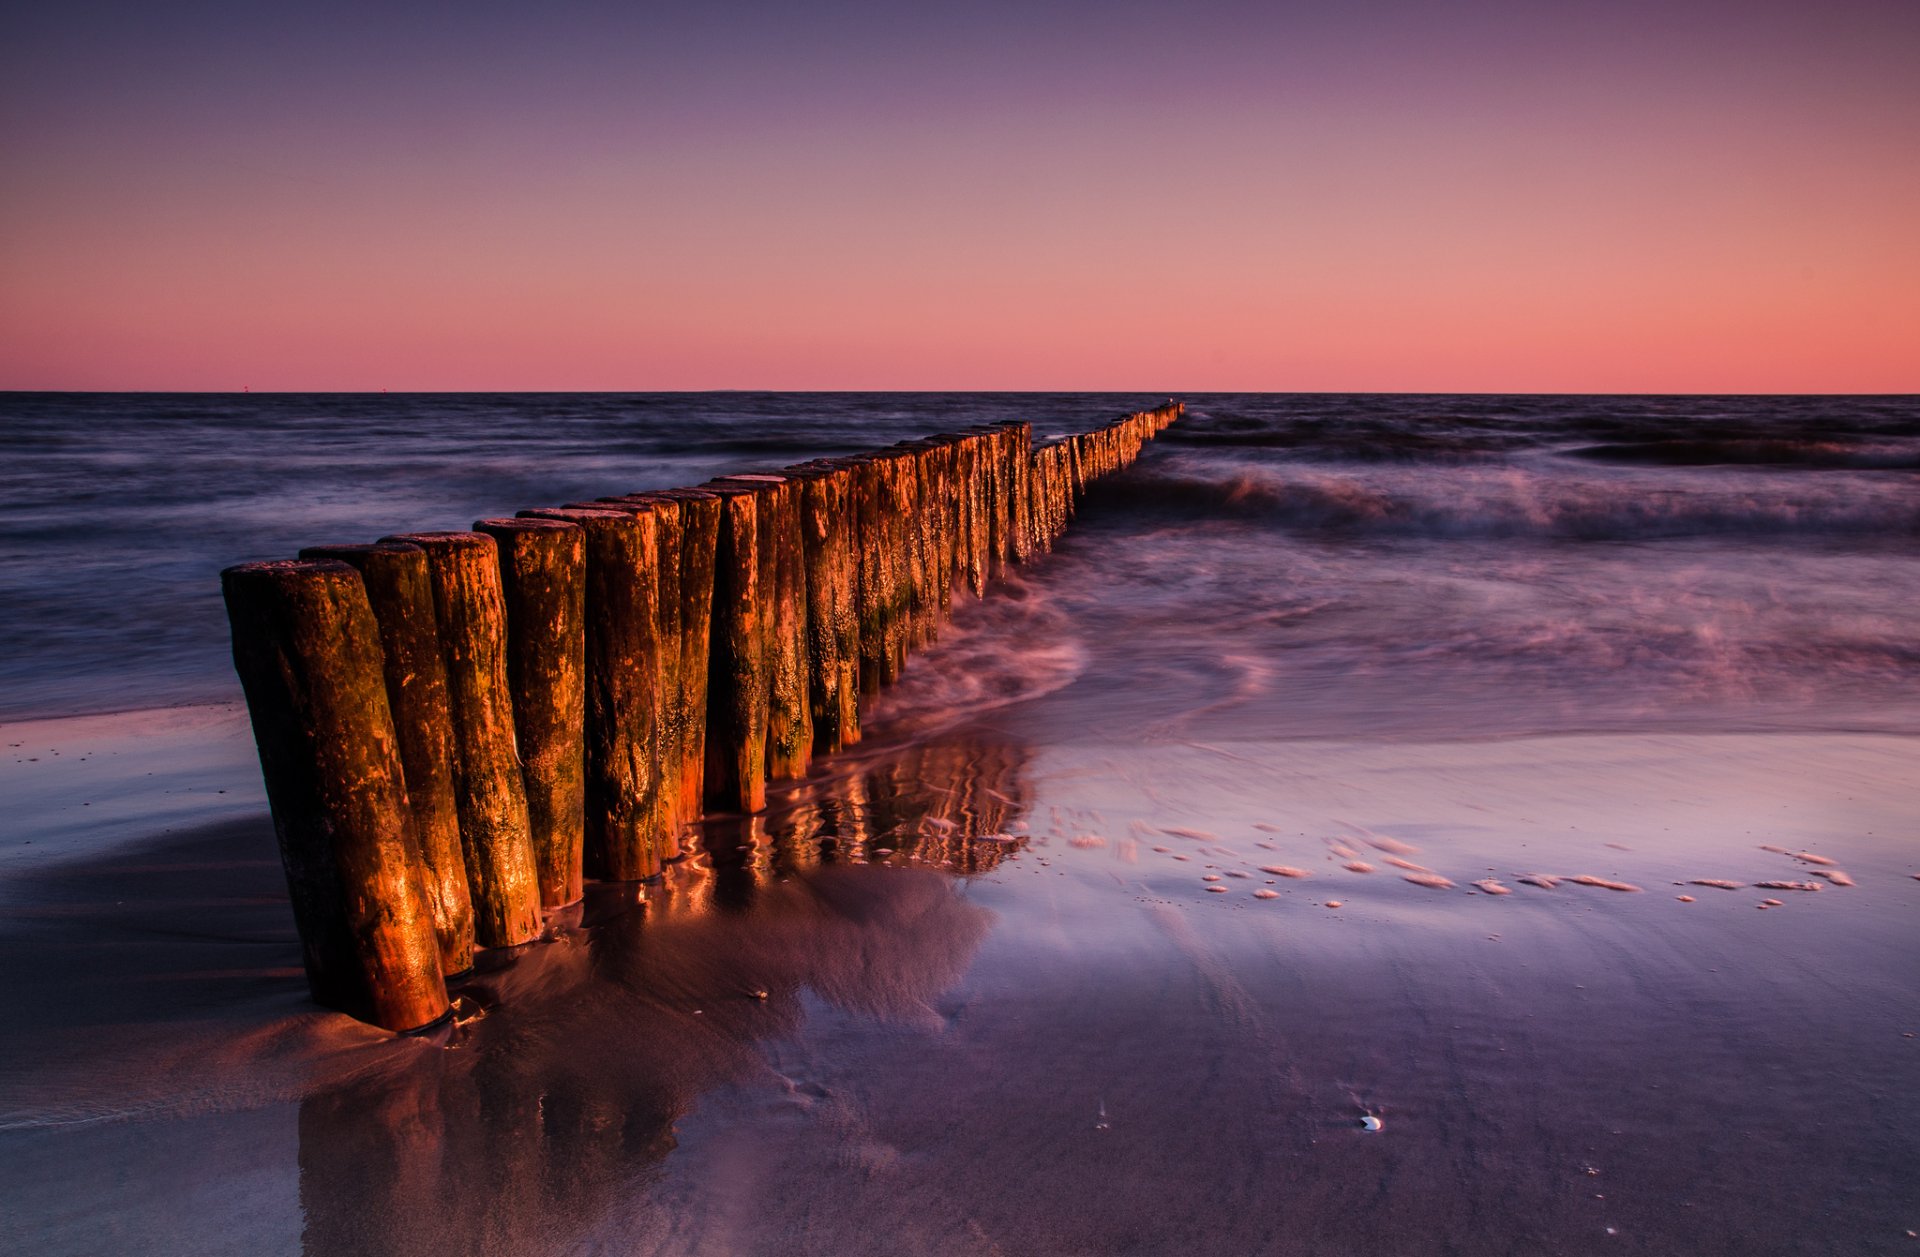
(457, 728)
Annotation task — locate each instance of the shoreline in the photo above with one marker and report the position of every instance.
(975, 1027)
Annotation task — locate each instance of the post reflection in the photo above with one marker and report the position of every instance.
(576, 1057)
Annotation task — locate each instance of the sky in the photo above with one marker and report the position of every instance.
(1374, 195)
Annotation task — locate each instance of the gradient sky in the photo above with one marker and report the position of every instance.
(1477, 195)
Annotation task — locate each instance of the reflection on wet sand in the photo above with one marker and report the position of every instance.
(573, 1060)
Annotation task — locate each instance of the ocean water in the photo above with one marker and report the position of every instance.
(1386, 561)
(1384, 824)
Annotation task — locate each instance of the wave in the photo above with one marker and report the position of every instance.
(1353, 446)
(1756, 452)
(1512, 503)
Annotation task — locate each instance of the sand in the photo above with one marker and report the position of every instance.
(1002, 1038)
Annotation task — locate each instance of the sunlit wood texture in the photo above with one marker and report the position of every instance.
(395, 575)
(833, 630)
(1018, 443)
(543, 581)
(671, 729)
(736, 764)
(463, 570)
(308, 654)
(782, 580)
(694, 540)
(629, 805)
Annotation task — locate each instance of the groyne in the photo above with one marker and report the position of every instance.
(457, 729)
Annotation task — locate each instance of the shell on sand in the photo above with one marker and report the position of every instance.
(1836, 876)
(1408, 865)
(1717, 882)
(1811, 858)
(1684, 898)
(1198, 835)
(1284, 870)
(1393, 845)
(1264, 893)
(1433, 880)
(1544, 881)
(1086, 840)
(1788, 885)
(1492, 886)
(1357, 866)
(1218, 890)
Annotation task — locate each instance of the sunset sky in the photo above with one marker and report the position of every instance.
(1480, 195)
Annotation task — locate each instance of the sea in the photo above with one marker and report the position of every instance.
(1383, 823)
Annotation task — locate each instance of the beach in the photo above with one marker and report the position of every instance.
(1354, 838)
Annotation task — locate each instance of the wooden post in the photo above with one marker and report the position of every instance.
(672, 726)
(543, 581)
(698, 533)
(973, 504)
(395, 576)
(629, 811)
(898, 500)
(464, 570)
(833, 628)
(308, 653)
(866, 516)
(783, 605)
(1018, 441)
(736, 767)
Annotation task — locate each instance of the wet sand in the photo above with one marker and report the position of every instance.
(971, 994)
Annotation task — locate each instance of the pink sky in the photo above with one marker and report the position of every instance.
(1471, 197)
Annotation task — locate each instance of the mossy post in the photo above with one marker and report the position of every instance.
(736, 762)
(308, 653)
(898, 500)
(463, 569)
(697, 533)
(671, 731)
(1018, 440)
(395, 576)
(833, 629)
(783, 605)
(864, 524)
(543, 580)
(629, 814)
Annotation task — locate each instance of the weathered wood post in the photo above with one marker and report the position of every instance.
(736, 767)
(1018, 439)
(898, 500)
(463, 569)
(543, 581)
(918, 603)
(671, 727)
(629, 811)
(941, 509)
(308, 653)
(973, 512)
(783, 605)
(698, 532)
(395, 576)
(865, 517)
(833, 628)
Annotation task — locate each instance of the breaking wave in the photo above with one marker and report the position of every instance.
(1513, 503)
(1802, 455)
